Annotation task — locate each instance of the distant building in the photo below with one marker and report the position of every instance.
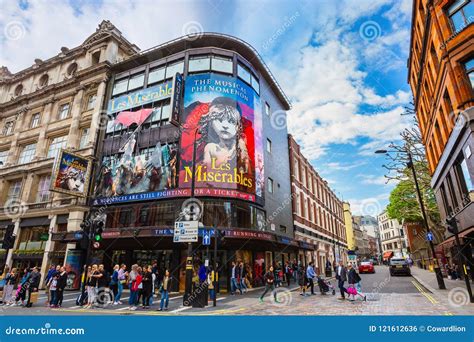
(351, 243)
(394, 242)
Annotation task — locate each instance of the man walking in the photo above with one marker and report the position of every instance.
(310, 274)
(243, 276)
(341, 276)
(233, 279)
(33, 285)
(269, 285)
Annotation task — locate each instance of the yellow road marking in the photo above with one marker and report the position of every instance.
(422, 291)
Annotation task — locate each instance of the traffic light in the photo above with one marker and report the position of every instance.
(98, 229)
(452, 225)
(8, 239)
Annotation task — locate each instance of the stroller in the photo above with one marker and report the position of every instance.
(325, 286)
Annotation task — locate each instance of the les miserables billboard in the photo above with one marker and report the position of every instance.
(224, 115)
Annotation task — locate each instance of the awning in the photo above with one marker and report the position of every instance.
(387, 255)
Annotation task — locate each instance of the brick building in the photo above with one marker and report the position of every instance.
(441, 76)
(318, 213)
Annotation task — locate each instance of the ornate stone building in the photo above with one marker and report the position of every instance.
(54, 104)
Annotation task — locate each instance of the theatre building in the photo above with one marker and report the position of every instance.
(212, 92)
(53, 105)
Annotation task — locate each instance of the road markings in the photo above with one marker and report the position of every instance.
(424, 293)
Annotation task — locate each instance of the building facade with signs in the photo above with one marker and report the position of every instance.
(209, 105)
(53, 105)
(318, 215)
(441, 76)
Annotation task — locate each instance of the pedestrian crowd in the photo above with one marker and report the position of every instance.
(20, 288)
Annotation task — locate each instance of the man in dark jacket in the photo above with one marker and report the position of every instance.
(33, 285)
(341, 276)
(269, 284)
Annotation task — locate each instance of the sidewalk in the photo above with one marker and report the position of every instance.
(455, 295)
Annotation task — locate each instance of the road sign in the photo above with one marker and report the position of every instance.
(429, 236)
(186, 231)
(206, 238)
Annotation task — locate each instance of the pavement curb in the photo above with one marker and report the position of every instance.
(422, 282)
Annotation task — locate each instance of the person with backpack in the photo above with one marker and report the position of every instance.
(353, 279)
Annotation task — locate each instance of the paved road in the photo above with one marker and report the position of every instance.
(385, 296)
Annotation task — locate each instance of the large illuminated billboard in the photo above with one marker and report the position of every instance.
(223, 114)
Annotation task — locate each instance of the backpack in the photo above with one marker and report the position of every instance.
(81, 299)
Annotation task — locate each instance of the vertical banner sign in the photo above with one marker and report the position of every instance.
(71, 174)
(176, 97)
(226, 114)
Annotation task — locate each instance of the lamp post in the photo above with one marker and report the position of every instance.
(189, 258)
(439, 275)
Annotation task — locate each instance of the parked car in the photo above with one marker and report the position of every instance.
(399, 266)
(366, 267)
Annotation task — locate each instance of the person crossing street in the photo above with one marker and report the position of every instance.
(269, 285)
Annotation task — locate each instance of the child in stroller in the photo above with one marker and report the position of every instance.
(325, 286)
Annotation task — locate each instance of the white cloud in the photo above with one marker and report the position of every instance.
(374, 180)
(344, 167)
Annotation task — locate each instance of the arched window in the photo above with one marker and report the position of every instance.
(71, 69)
(18, 90)
(43, 82)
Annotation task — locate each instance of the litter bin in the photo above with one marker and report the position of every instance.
(199, 297)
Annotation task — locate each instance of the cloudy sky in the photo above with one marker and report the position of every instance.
(341, 63)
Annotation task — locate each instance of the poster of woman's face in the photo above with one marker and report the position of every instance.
(220, 113)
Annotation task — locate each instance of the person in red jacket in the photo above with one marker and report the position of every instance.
(136, 287)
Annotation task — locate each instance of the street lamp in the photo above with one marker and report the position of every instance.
(439, 275)
(189, 258)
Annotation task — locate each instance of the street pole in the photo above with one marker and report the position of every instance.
(189, 258)
(439, 275)
(214, 279)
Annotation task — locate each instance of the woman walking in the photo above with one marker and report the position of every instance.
(131, 280)
(302, 280)
(269, 284)
(165, 290)
(353, 279)
(7, 285)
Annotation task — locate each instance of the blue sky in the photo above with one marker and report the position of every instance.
(341, 63)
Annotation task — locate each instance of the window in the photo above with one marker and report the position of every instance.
(136, 81)
(43, 189)
(452, 192)
(267, 109)
(95, 57)
(18, 90)
(43, 81)
(156, 75)
(91, 101)
(461, 13)
(222, 64)
(84, 136)
(269, 146)
(55, 145)
(202, 63)
(8, 128)
(165, 113)
(172, 69)
(120, 86)
(35, 120)
(14, 190)
(71, 69)
(463, 177)
(283, 229)
(469, 65)
(254, 83)
(63, 111)
(243, 73)
(295, 171)
(3, 157)
(27, 154)
(270, 185)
